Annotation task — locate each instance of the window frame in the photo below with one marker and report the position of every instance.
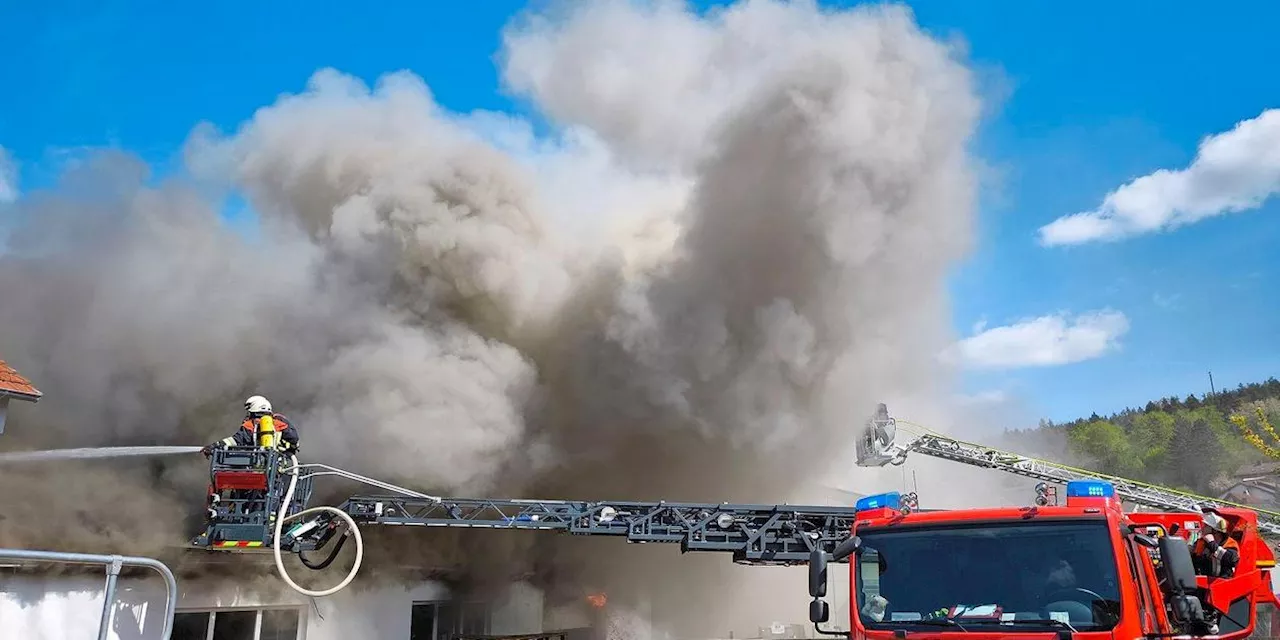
(212, 615)
(1137, 556)
(459, 617)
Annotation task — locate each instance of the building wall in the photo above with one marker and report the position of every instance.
(518, 611)
(69, 608)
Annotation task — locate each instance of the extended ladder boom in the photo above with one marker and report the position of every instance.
(877, 448)
(248, 487)
(754, 534)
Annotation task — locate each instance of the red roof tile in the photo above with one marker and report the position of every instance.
(11, 382)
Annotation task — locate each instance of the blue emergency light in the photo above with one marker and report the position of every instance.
(1090, 489)
(891, 500)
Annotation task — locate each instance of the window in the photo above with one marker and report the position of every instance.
(239, 624)
(445, 620)
(1023, 576)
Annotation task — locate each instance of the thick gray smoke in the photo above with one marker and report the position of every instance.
(733, 245)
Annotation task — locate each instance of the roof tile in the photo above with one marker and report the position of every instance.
(12, 382)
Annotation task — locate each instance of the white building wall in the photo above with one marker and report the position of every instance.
(69, 608)
(518, 611)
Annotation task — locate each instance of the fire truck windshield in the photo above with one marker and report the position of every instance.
(1022, 576)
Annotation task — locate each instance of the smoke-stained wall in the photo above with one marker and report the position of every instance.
(70, 607)
(733, 242)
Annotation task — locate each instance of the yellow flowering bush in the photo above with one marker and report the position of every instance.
(1242, 423)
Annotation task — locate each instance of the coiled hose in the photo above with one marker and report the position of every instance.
(352, 530)
(333, 555)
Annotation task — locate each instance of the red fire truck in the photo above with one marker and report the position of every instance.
(1083, 568)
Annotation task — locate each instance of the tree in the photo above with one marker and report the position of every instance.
(1106, 443)
(1195, 453)
(1150, 435)
(1189, 441)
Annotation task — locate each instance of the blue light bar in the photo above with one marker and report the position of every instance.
(1090, 489)
(891, 500)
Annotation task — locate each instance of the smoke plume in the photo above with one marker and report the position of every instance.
(731, 245)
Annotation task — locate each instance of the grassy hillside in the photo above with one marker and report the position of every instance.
(1190, 443)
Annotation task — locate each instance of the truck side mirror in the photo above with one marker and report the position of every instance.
(817, 576)
(818, 611)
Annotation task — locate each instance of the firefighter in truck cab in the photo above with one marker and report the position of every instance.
(261, 427)
(1215, 553)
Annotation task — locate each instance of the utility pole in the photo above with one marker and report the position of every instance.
(1212, 391)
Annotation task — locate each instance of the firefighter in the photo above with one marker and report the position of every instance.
(257, 410)
(1215, 553)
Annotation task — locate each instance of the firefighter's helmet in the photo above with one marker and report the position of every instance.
(1214, 522)
(257, 405)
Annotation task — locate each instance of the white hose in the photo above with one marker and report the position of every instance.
(280, 518)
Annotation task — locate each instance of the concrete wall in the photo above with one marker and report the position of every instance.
(69, 608)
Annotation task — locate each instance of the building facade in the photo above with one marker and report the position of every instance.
(69, 607)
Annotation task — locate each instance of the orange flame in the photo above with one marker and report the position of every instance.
(597, 600)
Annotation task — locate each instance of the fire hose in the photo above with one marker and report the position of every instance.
(281, 517)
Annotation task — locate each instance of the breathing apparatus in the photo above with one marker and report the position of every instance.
(266, 432)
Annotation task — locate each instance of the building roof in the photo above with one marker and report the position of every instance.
(13, 384)
(1258, 469)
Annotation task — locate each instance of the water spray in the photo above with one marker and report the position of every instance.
(86, 453)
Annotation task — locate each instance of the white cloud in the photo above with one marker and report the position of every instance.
(8, 177)
(1232, 171)
(1045, 341)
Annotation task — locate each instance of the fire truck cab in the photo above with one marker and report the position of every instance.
(1085, 568)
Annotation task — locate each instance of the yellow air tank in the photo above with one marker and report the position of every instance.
(266, 432)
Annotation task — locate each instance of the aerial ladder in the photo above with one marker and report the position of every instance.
(877, 447)
(248, 488)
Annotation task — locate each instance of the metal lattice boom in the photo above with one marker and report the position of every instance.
(754, 534)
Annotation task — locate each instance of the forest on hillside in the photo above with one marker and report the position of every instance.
(1193, 443)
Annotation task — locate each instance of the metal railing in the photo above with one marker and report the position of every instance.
(113, 564)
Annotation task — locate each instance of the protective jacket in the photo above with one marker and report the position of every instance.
(1216, 555)
(247, 434)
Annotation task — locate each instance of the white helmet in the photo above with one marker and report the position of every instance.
(1214, 521)
(257, 404)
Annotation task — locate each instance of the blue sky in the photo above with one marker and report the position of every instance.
(1087, 100)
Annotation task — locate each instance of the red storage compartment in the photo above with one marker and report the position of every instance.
(224, 480)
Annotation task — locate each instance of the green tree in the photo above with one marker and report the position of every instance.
(1150, 435)
(1196, 455)
(1107, 444)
